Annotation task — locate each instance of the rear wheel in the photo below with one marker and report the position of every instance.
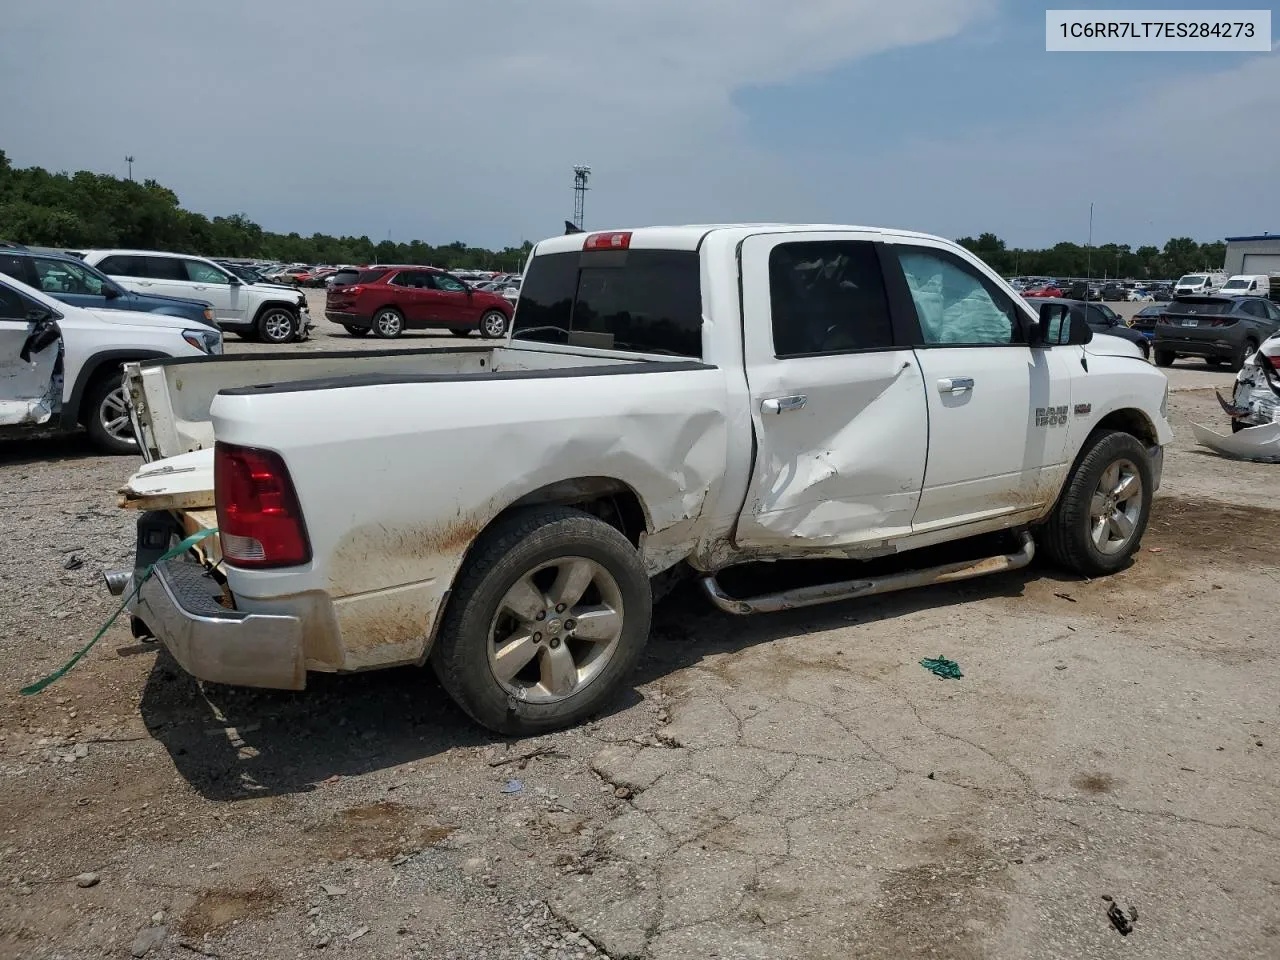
(1098, 522)
(493, 324)
(460, 331)
(388, 323)
(546, 621)
(1165, 358)
(106, 415)
(1248, 347)
(277, 325)
(356, 331)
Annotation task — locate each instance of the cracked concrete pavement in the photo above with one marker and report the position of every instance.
(793, 785)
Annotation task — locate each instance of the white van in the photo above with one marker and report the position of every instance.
(1193, 283)
(1247, 285)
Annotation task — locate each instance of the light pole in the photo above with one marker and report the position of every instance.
(1088, 250)
(129, 161)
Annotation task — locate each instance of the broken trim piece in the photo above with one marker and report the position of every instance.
(851, 589)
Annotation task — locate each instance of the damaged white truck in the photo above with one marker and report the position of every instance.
(679, 399)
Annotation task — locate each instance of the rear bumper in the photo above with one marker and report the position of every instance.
(1197, 348)
(179, 603)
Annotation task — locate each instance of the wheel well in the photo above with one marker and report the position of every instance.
(271, 305)
(94, 369)
(1133, 422)
(604, 497)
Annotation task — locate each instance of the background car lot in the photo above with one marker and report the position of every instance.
(789, 784)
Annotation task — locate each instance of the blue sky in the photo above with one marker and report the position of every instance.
(461, 119)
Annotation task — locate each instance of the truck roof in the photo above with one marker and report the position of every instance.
(690, 236)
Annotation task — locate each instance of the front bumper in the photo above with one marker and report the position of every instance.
(179, 603)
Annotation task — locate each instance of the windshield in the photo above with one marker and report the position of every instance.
(1236, 285)
(1191, 280)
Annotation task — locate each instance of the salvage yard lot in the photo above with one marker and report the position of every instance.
(788, 785)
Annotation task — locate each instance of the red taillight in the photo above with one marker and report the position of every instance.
(607, 241)
(259, 521)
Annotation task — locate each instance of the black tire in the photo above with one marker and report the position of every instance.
(103, 407)
(1238, 425)
(493, 324)
(1165, 358)
(460, 331)
(277, 325)
(1213, 361)
(503, 555)
(1249, 346)
(1066, 537)
(356, 331)
(388, 323)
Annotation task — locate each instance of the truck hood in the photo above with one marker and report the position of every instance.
(138, 318)
(1108, 345)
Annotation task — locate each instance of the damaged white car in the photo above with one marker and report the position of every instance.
(1254, 409)
(674, 399)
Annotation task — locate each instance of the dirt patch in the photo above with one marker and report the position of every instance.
(1094, 782)
(377, 831)
(1224, 530)
(215, 910)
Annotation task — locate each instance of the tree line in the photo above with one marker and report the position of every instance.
(85, 210)
(1178, 256)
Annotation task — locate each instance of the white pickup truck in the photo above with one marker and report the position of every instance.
(669, 399)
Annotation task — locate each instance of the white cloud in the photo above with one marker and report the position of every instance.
(436, 120)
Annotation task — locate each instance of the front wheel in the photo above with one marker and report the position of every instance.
(1165, 358)
(106, 415)
(546, 621)
(388, 323)
(493, 325)
(1246, 350)
(277, 325)
(1213, 361)
(1098, 522)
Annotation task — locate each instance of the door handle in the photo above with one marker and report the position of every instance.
(143, 283)
(955, 384)
(783, 404)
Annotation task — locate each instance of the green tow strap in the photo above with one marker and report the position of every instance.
(177, 551)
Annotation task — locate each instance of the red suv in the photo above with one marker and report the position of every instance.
(389, 299)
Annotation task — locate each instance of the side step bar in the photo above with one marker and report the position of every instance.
(850, 589)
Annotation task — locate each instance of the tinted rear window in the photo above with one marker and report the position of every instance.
(345, 278)
(1201, 307)
(646, 301)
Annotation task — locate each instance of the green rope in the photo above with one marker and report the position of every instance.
(944, 668)
(177, 551)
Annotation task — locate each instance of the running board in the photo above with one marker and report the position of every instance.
(850, 589)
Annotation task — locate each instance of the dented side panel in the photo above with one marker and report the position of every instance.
(397, 480)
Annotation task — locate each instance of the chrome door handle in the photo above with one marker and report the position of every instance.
(783, 404)
(955, 384)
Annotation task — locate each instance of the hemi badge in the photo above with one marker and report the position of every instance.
(1083, 408)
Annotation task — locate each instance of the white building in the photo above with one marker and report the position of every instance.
(1260, 254)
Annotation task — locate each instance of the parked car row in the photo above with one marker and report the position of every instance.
(389, 299)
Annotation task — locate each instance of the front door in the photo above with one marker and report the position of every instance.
(451, 301)
(998, 408)
(70, 283)
(837, 400)
(29, 351)
(215, 287)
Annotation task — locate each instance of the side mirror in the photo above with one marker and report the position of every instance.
(39, 315)
(110, 292)
(1058, 326)
(236, 281)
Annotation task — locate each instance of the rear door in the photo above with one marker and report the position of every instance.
(29, 352)
(998, 409)
(412, 290)
(837, 398)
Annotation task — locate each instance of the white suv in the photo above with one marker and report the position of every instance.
(60, 364)
(265, 311)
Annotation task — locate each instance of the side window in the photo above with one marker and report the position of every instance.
(1273, 312)
(410, 278)
(123, 266)
(17, 267)
(164, 268)
(828, 297)
(198, 272)
(59, 276)
(1095, 317)
(13, 305)
(1253, 308)
(956, 304)
(447, 283)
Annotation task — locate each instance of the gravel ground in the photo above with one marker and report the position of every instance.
(784, 786)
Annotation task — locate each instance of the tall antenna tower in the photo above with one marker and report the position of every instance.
(580, 174)
(129, 161)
